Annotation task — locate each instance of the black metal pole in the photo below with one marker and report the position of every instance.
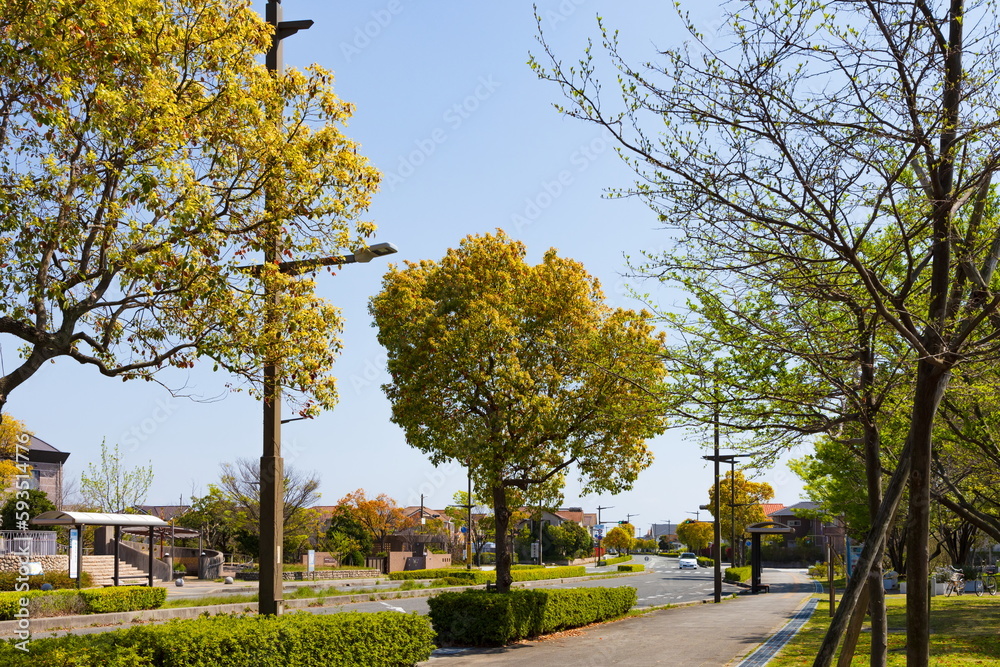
(718, 526)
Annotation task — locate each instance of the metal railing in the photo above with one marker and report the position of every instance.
(28, 542)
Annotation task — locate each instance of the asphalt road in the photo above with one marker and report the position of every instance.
(662, 583)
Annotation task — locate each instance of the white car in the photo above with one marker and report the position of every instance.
(687, 559)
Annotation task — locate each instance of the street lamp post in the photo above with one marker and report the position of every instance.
(600, 531)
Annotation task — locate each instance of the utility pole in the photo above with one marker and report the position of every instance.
(272, 502)
(600, 534)
(468, 525)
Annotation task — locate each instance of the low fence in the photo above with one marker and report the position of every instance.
(28, 542)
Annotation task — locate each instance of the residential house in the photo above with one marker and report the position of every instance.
(813, 531)
(46, 469)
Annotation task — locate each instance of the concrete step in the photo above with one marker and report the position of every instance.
(102, 570)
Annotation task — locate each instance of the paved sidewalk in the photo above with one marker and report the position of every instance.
(705, 635)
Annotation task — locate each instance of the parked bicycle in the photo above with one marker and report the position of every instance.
(955, 583)
(986, 582)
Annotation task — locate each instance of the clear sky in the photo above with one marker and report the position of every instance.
(468, 142)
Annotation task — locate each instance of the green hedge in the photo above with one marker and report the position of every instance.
(123, 598)
(526, 567)
(705, 562)
(351, 639)
(564, 572)
(619, 559)
(433, 574)
(632, 567)
(484, 618)
(737, 574)
(92, 601)
(479, 577)
(9, 581)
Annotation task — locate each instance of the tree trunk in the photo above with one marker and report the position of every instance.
(932, 381)
(873, 544)
(501, 515)
(873, 470)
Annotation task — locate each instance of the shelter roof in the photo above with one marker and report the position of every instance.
(61, 518)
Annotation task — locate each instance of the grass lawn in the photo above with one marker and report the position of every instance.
(965, 630)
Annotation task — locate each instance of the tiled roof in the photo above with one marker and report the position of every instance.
(791, 509)
(771, 508)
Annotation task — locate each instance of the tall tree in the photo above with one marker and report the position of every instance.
(882, 174)
(136, 142)
(240, 485)
(740, 505)
(110, 486)
(14, 445)
(20, 508)
(620, 538)
(380, 516)
(522, 370)
(695, 534)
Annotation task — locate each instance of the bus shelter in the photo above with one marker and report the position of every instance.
(756, 530)
(80, 520)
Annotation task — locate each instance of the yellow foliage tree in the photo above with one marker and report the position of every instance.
(137, 139)
(521, 370)
(695, 534)
(13, 451)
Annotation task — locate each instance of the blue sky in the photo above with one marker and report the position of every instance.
(468, 142)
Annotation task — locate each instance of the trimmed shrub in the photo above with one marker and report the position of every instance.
(41, 604)
(93, 601)
(705, 562)
(537, 574)
(352, 639)
(526, 567)
(738, 574)
(632, 567)
(619, 559)
(473, 577)
(484, 618)
(123, 598)
(432, 574)
(59, 580)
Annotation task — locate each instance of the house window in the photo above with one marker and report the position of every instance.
(794, 522)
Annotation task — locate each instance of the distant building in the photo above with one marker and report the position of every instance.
(814, 531)
(46, 469)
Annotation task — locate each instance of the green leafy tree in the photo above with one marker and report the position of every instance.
(522, 370)
(697, 535)
(240, 486)
(567, 541)
(110, 486)
(25, 503)
(883, 176)
(215, 516)
(348, 537)
(136, 145)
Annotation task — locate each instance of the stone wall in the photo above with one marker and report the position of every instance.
(12, 563)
